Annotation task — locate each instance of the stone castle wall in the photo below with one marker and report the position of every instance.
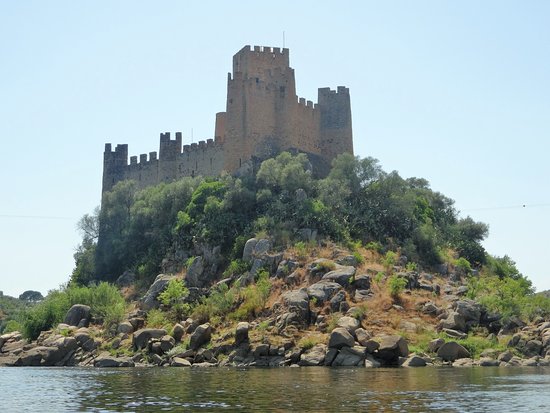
(203, 158)
(263, 117)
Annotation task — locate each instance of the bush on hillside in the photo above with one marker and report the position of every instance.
(356, 201)
(105, 301)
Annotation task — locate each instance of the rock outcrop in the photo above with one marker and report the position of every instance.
(78, 315)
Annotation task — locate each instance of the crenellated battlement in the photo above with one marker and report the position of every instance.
(263, 49)
(202, 145)
(340, 90)
(253, 62)
(306, 104)
(120, 152)
(143, 159)
(263, 116)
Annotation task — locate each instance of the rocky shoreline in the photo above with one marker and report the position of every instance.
(321, 312)
(154, 347)
(349, 345)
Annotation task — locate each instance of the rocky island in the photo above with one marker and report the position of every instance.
(272, 245)
(325, 306)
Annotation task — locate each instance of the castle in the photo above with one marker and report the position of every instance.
(263, 117)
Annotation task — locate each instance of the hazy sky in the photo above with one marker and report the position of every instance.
(454, 92)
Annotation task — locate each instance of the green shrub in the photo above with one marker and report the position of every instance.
(325, 266)
(238, 246)
(106, 303)
(220, 302)
(503, 267)
(507, 296)
(396, 285)
(114, 315)
(309, 342)
(354, 245)
(236, 267)
(253, 298)
(201, 312)
(332, 321)
(145, 271)
(180, 348)
(536, 305)
(264, 325)
(285, 270)
(301, 250)
(476, 345)
(12, 309)
(378, 277)
(264, 286)
(374, 246)
(12, 326)
(360, 311)
(174, 293)
(419, 343)
(358, 257)
(411, 266)
(189, 262)
(389, 261)
(222, 299)
(45, 315)
(173, 296)
(157, 319)
(463, 266)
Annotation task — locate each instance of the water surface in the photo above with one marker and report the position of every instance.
(279, 390)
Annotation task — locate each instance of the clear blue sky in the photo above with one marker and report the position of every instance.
(454, 92)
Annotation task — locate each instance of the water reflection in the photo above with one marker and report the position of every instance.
(276, 390)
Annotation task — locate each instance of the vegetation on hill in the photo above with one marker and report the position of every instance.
(107, 304)
(504, 290)
(393, 255)
(13, 310)
(358, 201)
(10, 310)
(377, 216)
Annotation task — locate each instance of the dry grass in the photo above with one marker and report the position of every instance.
(130, 293)
(278, 287)
(383, 318)
(325, 252)
(310, 339)
(380, 315)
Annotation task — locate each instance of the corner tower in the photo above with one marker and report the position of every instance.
(336, 134)
(114, 165)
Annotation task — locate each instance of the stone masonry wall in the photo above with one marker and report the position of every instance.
(263, 117)
(202, 158)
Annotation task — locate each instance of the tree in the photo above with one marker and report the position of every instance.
(84, 256)
(287, 173)
(31, 296)
(355, 173)
(466, 237)
(88, 226)
(503, 267)
(112, 252)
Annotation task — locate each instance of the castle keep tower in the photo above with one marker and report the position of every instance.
(263, 117)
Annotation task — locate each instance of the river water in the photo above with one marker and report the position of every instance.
(482, 389)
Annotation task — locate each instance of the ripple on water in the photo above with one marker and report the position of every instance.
(284, 389)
